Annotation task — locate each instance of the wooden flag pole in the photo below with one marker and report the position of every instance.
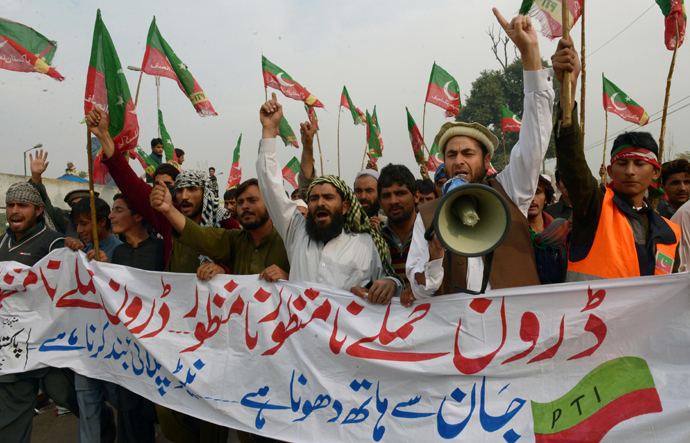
(603, 159)
(668, 94)
(340, 108)
(424, 121)
(583, 75)
(320, 156)
(266, 92)
(94, 224)
(364, 159)
(136, 99)
(505, 150)
(566, 98)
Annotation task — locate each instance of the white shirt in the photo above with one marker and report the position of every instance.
(347, 261)
(682, 219)
(519, 179)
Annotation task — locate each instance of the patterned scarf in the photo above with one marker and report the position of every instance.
(356, 220)
(24, 192)
(554, 234)
(211, 213)
(629, 151)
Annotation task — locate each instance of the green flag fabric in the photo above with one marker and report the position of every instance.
(22, 49)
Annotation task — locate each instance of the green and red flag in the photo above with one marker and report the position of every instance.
(550, 16)
(509, 121)
(160, 60)
(290, 172)
(415, 139)
(106, 87)
(22, 49)
(443, 91)
(611, 393)
(357, 115)
(168, 146)
(674, 11)
(622, 105)
(277, 78)
(311, 113)
(373, 145)
(145, 161)
(435, 159)
(286, 133)
(235, 177)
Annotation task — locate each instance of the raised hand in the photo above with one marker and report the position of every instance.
(524, 35)
(270, 114)
(307, 131)
(160, 198)
(424, 171)
(565, 59)
(371, 163)
(97, 121)
(38, 165)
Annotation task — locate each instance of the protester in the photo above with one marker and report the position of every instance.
(180, 156)
(230, 203)
(366, 185)
(335, 244)
(467, 150)
(548, 235)
(675, 180)
(156, 155)
(81, 215)
(440, 179)
(214, 182)
(166, 173)
(27, 241)
(562, 208)
(295, 195)
(427, 190)
(682, 218)
(616, 233)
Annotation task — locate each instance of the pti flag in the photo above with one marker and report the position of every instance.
(22, 49)
(160, 59)
(311, 113)
(145, 161)
(509, 121)
(443, 91)
(550, 16)
(236, 170)
(276, 78)
(286, 133)
(106, 87)
(357, 115)
(374, 141)
(290, 172)
(168, 146)
(674, 11)
(416, 139)
(622, 105)
(435, 159)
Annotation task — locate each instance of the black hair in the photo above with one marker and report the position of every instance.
(642, 140)
(549, 192)
(230, 193)
(296, 191)
(179, 152)
(677, 166)
(156, 141)
(426, 186)
(211, 167)
(122, 197)
(166, 169)
(244, 185)
(399, 174)
(83, 206)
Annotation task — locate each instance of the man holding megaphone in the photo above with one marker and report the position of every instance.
(501, 201)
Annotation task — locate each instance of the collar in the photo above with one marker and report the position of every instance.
(659, 230)
(30, 233)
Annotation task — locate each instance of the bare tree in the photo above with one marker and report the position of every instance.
(499, 43)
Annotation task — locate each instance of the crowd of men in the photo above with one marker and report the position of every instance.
(368, 239)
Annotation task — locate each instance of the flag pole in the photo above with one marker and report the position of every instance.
(136, 99)
(606, 135)
(364, 159)
(318, 141)
(668, 94)
(566, 98)
(94, 225)
(583, 76)
(266, 92)
(340, 108)
(423, 122)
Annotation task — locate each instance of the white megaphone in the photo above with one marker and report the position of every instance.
(471, 220)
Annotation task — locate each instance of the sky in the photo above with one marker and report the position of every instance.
(382, 51)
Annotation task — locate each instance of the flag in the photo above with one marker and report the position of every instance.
(443, 91)
(415, 139)
(550, 16)
(373, 145)
(276, 78)
(101, 174)
(509, 121)
(235, 177)
(290, 172)
(167, 141)
(311, 113)
(491, 170)
(375, 119)
(620, 104)
(145, 161)
(674, 11)
(357, 115)
(24, 50)
(106, 87)
(160, 59)
(285, 132)
(435, 159)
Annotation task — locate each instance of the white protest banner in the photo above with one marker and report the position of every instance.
(606, 360)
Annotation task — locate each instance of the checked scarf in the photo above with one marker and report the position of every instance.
(25, 192)
(211, 213)
(357, 221)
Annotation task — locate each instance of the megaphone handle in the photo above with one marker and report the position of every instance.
(429, 233)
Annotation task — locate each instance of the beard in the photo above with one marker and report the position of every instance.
(257, 223)
(326, 233)
(373, 208)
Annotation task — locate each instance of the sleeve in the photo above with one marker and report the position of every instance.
(281, 209)
(303, 181)
(216, 243)
(585, 195)
(57, 215)
(136, 192)
(418, 262)
(520, 176)
(682, 218)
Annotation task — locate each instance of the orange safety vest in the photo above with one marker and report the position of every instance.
(613, 253)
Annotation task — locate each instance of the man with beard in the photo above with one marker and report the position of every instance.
(675, 179)
(335, 245)
(467, 150)
(366, 191)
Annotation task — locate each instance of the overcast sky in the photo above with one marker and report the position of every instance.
(382, 51)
